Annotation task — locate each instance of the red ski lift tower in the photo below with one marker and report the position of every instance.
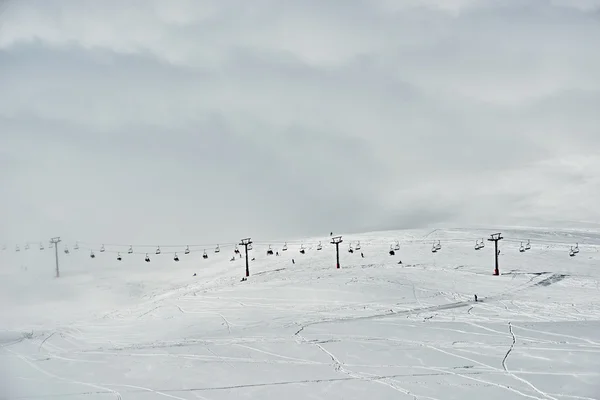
(337, 240)
(496, 237)
(246, 242)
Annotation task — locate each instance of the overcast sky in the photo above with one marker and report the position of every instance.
(207, 121)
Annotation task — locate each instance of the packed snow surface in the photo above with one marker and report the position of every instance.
(373, 329)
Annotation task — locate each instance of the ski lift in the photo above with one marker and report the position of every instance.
(482, 244)
(434, 248)
(350, 250)
(187, 250)
(478, 245)
(250, 246)
(572, 252)
(438, 246)
(158, 250)
(26, 246)
(521, 249)
(397, 246)
(236, 250)
(147, 259)
(119, 258)
(392, 252)
(357, 247)
(270, 251)
(66, 250)
(319, 246)
(205, 256)
(41, 246)
(217, 249)
(528, 245)
(92, 255)
(302, 251)
(130, 251)
(576, 249)
(76, 246)
(175, 258)
(102, 249)
(17, 248)
(284, 248)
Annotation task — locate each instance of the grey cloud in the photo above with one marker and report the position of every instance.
(218, 119)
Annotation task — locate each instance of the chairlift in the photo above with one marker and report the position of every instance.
(158, 250)
(482, 244)
(66, 250)
(357, 247)
(438, 246)
(218, 249)
(392, 252)
(205, 256)
(397, 246)
(249, 246)
(270, 251)
(175, 258)
(302, 251)
(76, 247)
(187, 250)
(576, 249)
(572, 252)
(26, 246)
(528, 245)
(284, 248)
(130, 251)
(102, 249)
(17, 248)
(147, 259)
(521, 249)
(319, 246)
(434, 248)
(41, 246)
(350, 250)
(119, 258)
(477, 245)
(92, 255)
(236, 250)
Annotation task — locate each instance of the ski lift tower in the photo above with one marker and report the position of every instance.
(496, 237)
(337, 240)
(246, 242)
(55, 241)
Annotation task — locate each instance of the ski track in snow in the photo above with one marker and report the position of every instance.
(374, 328)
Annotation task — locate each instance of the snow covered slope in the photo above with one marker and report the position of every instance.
(373, 329)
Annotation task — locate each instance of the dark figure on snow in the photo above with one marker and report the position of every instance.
(276, 253)
(362, 255)
(475, 298)
(293, 262)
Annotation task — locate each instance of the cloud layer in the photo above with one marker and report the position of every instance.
(202, 121)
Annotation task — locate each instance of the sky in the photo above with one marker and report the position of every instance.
(189, 121)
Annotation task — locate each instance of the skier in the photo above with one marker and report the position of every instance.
(475, 298)
(362, 255)
(293, 262)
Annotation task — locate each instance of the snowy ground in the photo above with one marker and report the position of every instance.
(374, 329)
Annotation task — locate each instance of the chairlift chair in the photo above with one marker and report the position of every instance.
(158, 250)
(205, 256)
(521, 249)
(119, 258)
(236, 250)
(434, 248)
(147, 259)
(92, 255)
(576, 248)
(319, 246)
(392, 252)
(284, 248)
(269, 251)
(250, 246)
(302, 251)
(76, 247)
(482, 244)
(102, 249)
(357, 247)
(17, 248)
(397, 246)
(187, 250)
(528, 245)
(26, 246)
(130, 251)
(66, 250)
(350, 250)
(572, 253)
(438, 246)
(175, 258)
(41, 246)
(217, 249)
(477, 246)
